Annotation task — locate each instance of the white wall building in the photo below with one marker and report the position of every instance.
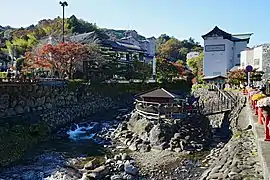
(222, 51)
(148, 45)
(258, 57)
(193, 55)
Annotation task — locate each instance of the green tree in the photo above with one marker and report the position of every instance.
(166, 71)
(196, 66)
(171, 49)
(80, 26)
(19, 63)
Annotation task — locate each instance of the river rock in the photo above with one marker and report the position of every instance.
(99, 172)
(116, 177)
(91, 164)
(130, 169)
(133, 147)
(125, 156)
(144, 148)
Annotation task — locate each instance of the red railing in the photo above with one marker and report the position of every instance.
(262, 119)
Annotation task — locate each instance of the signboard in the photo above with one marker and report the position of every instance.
(249, 68)
(212, 48)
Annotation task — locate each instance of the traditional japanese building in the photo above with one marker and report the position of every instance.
(222, 51)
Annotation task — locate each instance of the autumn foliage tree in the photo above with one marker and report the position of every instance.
(167, 70)
(237, 77)
(62, 57)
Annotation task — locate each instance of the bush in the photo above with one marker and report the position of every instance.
(199, 86)
(3, 75)
(75, 83)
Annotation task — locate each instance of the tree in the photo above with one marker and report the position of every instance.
(80, 26)
(166, 70)
(63, 57)
(237, 77)
(163, 38)
(196, 66)
(19, 63)
(170, 50)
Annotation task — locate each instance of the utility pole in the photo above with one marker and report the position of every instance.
(63, 4)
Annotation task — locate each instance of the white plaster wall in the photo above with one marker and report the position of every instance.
(243, 59)
(247, 58)
(230, 50)
(217, 61)
(238, 47)
(258, 55)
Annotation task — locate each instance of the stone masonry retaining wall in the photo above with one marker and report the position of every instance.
(54, 105)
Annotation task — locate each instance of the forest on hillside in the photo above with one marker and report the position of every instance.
(24, 38)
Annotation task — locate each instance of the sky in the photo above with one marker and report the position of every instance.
(179, 18)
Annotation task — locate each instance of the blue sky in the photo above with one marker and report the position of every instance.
(179, 18)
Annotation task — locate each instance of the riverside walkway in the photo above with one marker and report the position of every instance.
(262, 146)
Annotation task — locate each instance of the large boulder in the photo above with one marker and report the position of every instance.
(141, 127)
(161, 133)
(133, 119)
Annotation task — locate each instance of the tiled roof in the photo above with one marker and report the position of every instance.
(236, 37)
(159, 93)
(232, 37)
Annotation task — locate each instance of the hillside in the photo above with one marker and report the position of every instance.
(23, 39)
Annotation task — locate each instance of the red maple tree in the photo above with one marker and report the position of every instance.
(61, 57)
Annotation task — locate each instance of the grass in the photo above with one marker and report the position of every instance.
(237, 135)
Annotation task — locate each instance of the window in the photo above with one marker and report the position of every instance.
(238, 55)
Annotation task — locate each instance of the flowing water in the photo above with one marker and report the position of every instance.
(69, 148)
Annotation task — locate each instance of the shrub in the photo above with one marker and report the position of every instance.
(199, 86)
(3, 75)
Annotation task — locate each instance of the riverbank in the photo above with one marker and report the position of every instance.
(70, 155)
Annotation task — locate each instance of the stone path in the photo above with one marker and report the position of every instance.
(236, 160)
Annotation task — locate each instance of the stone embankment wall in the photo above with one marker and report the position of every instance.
(29, 113)
(53, 105)
(238, 158)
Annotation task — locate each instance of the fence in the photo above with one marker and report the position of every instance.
(225, 101)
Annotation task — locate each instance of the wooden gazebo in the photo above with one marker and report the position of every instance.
(158, 102)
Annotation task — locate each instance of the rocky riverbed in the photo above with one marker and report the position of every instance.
(133, 147)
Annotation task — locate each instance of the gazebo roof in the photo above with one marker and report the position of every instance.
(159, 93)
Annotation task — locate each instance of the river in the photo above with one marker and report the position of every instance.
(67, 151)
